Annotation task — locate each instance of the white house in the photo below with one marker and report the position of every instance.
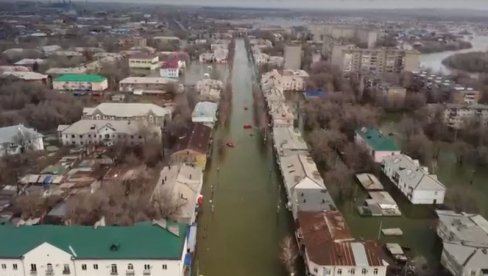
(80, 82)
(294, 80)
(414, 180)
(108, 132)
(172, 67)
(206, 57)
(17, 139)
(378, 145)
(305, 188)
(147, 112)
(180, 184)
(465, 242)
(144, 61)
(205, 113)
(328, 247)
(141, 249)
(261, 58)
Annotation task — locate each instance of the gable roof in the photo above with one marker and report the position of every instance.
(8, 134)
(196, 138)
(107, 242)
(205, 109)
(81, 78)
(300, 169)
(118, 126)
(376, 140)
(127, 109)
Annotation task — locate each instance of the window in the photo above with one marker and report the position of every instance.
(66, 269)
(4, 266)
(130, 267)
(33, 268)
(14, 266)
(72, 136)
(83, 266)
(364, 271)
(352, 271)
(113, 269)
(49, 267)
(147, 267)
(165, 267)
(339, 271)
(95, 266)
(375, 271)
(315, 270)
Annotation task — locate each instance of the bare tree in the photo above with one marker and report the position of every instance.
(289, 254)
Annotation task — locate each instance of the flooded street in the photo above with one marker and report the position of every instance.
(241, 236)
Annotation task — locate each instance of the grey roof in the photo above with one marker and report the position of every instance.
(313, 200)
(119, 126)
(468, 228)
(287, 139)
(127, 109)
(8, 134)
(300, 169)
(412, 174)
(467, 256)
(205, 109)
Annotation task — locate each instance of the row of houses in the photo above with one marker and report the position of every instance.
(324, 239)
(219, 51)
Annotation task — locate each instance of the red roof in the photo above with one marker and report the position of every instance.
(328, 241)
(170, 63)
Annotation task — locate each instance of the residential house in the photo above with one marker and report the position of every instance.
(159, 249)
(108, 132)
(220, 55)
(305, 188)
(458, 115)
(192, 148)
(261, 58)
(465, 242)
(17, 139)
(281, 114)
(171, 68)
(181, 185)
(144, 61)
(80, 82)
(30, 62)
(209, 89)
(134, 84)
(294, 80)
(31, 77)
(205, 113)
(288, 141)
(378, 145)
(147, 112)
(413, 180)
(55, 71)
(328, 247)
(276, 61)
(206, 57)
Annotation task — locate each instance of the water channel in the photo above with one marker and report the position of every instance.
(241, 235)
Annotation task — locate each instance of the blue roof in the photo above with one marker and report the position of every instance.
(314, 93)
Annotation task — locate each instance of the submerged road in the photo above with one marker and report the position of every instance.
(241, 236)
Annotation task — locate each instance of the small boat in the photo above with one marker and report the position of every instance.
(247, 126)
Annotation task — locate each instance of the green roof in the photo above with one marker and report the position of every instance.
(140, 241)
(376, 140)
(81, 78)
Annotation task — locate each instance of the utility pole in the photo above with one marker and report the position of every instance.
(379, 230)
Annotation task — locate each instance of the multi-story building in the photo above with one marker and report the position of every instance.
(465, 242)
(132, 84)
(193, 147)
(328, 247)
(146, 112)
(205, 113)
(80, 82)
(352, 59)
(17, 139)
(365, 36)
(294, 80)
(158, 249)
(413, 180)
(293, 56)
(144, 61)
(378, 145)
(458, 115)
(172, 67)
(108, 132)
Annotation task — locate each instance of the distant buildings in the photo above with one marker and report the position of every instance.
(159, 249)
(329, 249)
(458, 116)
(378, 145)
(31, 77)
(465, 242)
(352, 59)
(143, 61)
(209, 90)
(290, 80)
(414, 180)
(293, 56)
(145, 84)
(367, 37)
(17, 139)
(80, 82)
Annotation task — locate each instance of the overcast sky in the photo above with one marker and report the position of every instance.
(328, 4)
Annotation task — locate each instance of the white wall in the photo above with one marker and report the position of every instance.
(47, 254)
(427, 197)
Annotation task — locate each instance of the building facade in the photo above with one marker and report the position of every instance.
(413, 180)
(94, 251)
(144, 61)
(458, 116)
(378, 145)
(132, 84)
(80, 82)
(146, 112)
